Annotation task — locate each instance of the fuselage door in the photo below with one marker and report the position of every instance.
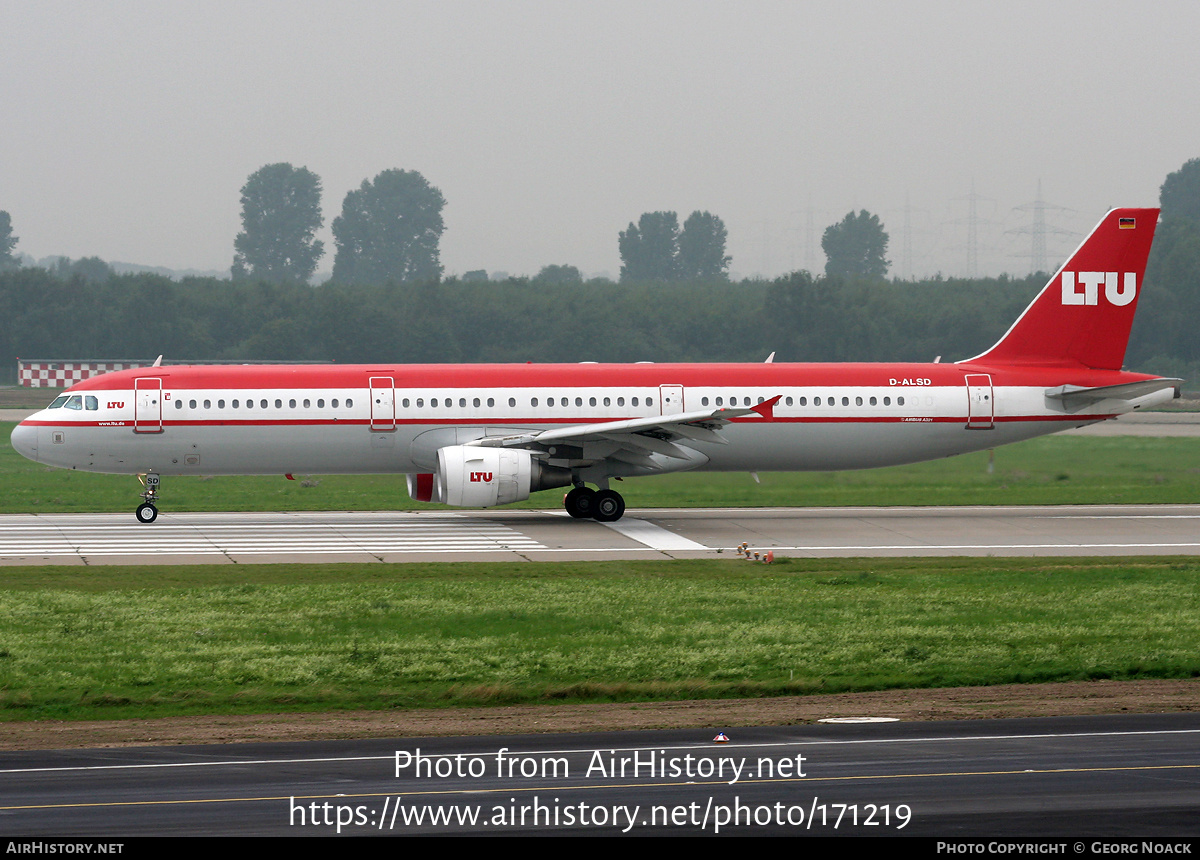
(670, 399)
(147, 405)
(981, 402)
(383, 403)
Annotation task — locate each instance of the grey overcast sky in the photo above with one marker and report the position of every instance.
(130, 127)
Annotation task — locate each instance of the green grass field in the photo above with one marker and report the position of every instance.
(1051, 470)
(119, 642)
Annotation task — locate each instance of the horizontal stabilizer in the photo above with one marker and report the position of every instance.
(1127, 391)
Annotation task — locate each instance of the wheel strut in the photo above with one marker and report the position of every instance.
(146, 512)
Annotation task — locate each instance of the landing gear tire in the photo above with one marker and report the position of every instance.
(609, 506)
(581, 503)
(147, 513)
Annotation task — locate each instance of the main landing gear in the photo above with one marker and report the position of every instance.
(146, 512)
(605, 506)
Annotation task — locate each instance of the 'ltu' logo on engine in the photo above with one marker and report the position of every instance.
(481, 477)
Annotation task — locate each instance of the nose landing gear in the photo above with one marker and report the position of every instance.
(147, 512)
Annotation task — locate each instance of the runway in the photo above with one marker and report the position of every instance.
(499, 535)
(1117, 776)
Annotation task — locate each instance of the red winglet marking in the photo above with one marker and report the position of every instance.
(289, 476)
(767, 408)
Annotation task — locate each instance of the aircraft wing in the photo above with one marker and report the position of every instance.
(1081, 395)
(632, 440)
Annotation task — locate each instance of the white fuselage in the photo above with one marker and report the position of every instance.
(347, 420)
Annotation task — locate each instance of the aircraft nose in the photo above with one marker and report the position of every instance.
(25, 440)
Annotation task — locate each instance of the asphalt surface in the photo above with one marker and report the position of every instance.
(1077, 778)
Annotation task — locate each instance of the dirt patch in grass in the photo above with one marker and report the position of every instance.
(957, 703)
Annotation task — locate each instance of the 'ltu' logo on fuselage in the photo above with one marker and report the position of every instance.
(1083, 288)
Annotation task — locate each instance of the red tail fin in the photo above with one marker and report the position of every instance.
(1083, 315)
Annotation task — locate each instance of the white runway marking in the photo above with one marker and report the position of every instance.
(61, 536)
(653, 536)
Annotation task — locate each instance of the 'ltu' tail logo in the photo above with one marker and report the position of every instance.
(1083, 288)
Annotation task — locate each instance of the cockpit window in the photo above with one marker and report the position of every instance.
(58, 402)
(75, 402)
(90, 403)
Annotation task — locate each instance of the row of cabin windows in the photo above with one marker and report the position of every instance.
(434, 402)
(533, 401)
(89, 402)
(265, 404)
(803, 401)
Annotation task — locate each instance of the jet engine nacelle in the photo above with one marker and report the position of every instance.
(477, 477)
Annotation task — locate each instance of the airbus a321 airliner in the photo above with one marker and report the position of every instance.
(484, 435)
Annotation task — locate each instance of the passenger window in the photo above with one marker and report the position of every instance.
(308, 403)
(858, 401)
(887, 401)
(720, 401)
(874, 402)
(512, 401)
(278, 404)
(816, 401)
(475, 403)
(634, 401)
(649, 401)
(349, 403)
(462, 403)
(263, 404)
(292, 403)
(803, 401)
(333, 403)
(591, 401)
(533, 401)
(607, 401)
(899, 401)
(788, 401)
(578, 401)
(703, 401)
(208, 404)
(220, 404)
(845, 401)
(191, 404)
(178, 404)
(321, 403)
(620, 401)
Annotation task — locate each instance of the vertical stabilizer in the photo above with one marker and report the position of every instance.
(1084, 314)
